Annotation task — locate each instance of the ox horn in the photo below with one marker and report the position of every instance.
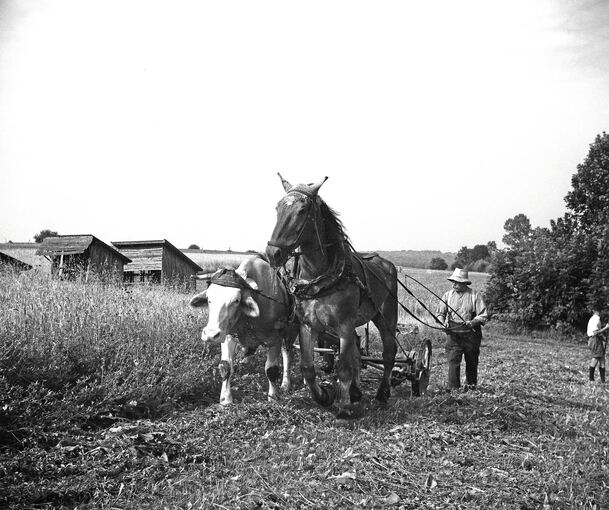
(286, 185)
(204, 276)
(315, 187)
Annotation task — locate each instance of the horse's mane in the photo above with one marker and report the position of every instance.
(336, 234)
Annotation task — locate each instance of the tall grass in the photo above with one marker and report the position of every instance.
(97, 348)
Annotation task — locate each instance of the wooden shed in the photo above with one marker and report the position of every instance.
(157, 261)
(6, 261)
(81, 256)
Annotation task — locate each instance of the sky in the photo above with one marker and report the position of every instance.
(435, 121)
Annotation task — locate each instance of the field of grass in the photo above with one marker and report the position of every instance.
(108, 400)
(211, 260)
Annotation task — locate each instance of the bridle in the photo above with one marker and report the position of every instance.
(313, 213)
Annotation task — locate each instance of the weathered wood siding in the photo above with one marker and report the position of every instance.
(144, 259)
(177, 270)
(104, 263)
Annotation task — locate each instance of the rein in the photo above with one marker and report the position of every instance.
(382, 281)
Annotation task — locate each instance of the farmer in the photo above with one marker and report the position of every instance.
(463, 313)
(597, 343)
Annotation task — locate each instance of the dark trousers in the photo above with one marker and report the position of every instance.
(458, 346)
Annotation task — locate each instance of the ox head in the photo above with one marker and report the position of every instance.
(294, 215)
(227, 304)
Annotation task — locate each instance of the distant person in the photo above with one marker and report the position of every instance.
(597, 344)
(464, 328)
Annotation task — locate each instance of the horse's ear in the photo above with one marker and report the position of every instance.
(315, 187)
(286, 185)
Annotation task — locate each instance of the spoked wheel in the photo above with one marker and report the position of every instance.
(422, 369)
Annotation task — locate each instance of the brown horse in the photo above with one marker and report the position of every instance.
(335, 289)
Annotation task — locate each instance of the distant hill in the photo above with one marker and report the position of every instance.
(416, 258)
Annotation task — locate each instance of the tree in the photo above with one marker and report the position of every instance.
(438, 263)
(589, 198)
(193, 247)
(43, 234)
(478, 256)
(518, 231)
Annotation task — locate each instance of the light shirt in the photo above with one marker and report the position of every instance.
(468, 304)
(594, 324)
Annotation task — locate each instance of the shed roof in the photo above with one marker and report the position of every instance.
(6, 258)
(75, 245)
(26, 252)
(133, 247)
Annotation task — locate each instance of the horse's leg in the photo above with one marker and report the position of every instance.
(387, 328)
(271, 368)
(308, 338)
(354, 391)
(229, 347)
(346, 369)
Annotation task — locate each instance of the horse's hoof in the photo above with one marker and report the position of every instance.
(328, 394)
(381, 398)
(344, 414)
(383, 394)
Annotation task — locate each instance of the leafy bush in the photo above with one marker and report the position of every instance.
(438, 263)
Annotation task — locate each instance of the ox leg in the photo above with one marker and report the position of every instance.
(287, 347)
(308, 338)
(271, 368)
(346, 370)
(285, 380)
(229, 348)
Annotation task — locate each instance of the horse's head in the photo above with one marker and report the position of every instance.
(296, 217)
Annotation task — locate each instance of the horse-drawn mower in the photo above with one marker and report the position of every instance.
(412, 363)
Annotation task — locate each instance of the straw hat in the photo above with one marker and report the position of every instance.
(459, 276)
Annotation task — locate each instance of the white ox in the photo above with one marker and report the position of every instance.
(255, 311)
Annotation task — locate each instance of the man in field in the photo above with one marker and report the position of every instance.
(463, 312)
(597, 344)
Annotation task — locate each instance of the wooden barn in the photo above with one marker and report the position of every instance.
(6, 261)
(157, 261)
(82, 256)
